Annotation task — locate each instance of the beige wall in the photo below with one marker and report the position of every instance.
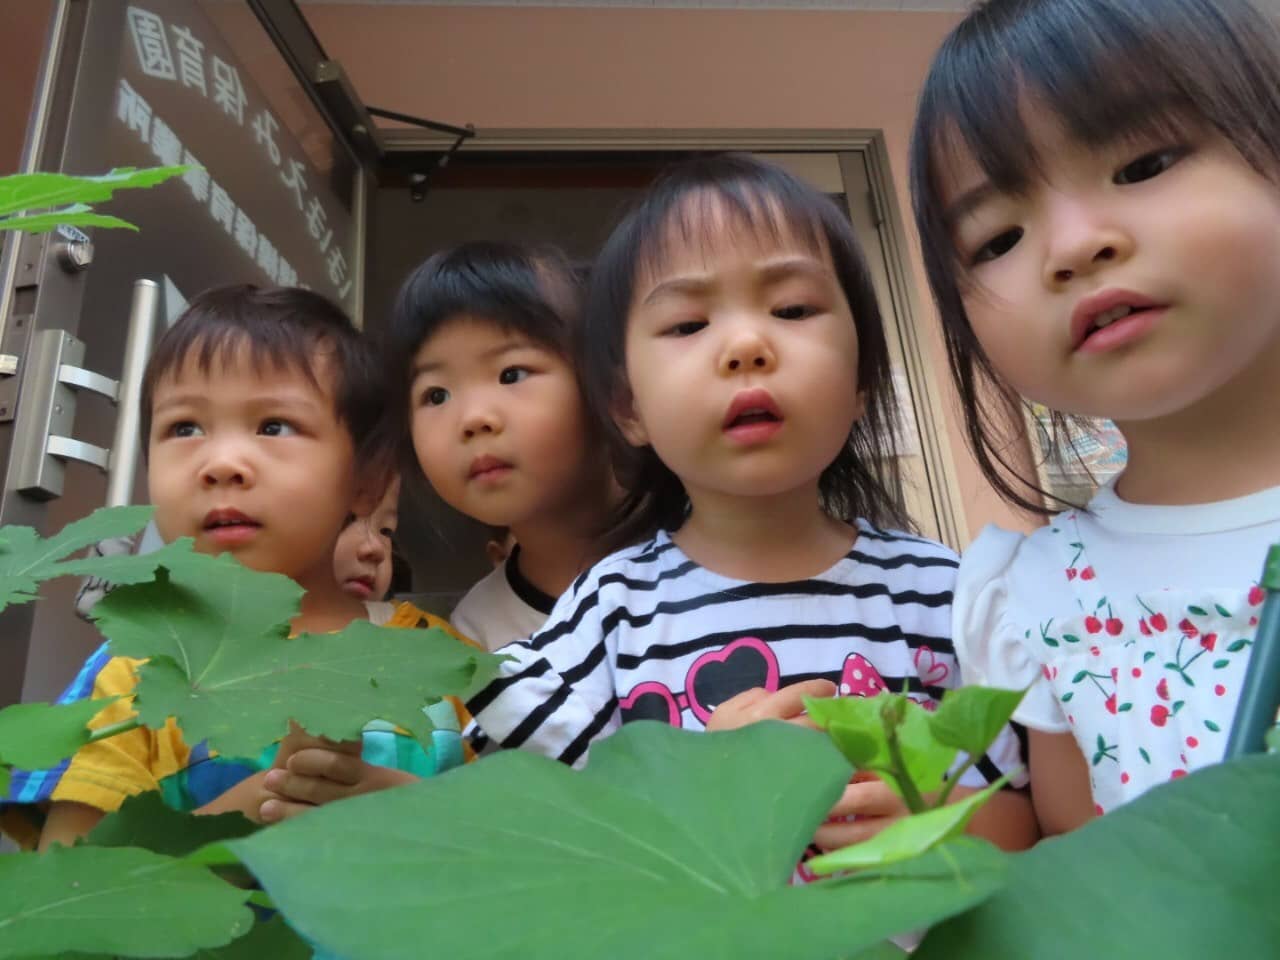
(558, 67)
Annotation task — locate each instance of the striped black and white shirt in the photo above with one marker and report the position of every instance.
(647, 633)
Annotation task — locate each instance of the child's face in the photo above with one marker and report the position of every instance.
(1186, 235)
(742, 359)
(252, 463)
(498, 425)
(362, 558)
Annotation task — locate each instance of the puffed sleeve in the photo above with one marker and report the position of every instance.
(994, 650)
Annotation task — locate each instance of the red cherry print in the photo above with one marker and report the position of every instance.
(1219, 689)
(1209, 641)
(1253, 621)
(1045, 671)
(1159, 714)
(1096, 651)
(1124, 778)
(1162, 688)
(1144, 627)
(1158, 623)
(1072, 573)
(1176, 774)
(1115, 626)
(1097, 808)
(1256, 596)
(1092, 624)
(1087, 573)
(1111, 704)
(1192, 742)
(1137, 672)
(1188, 629)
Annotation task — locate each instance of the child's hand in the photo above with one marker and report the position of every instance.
(298, 739)
(756, 704)
(866, 807)
(317, 775)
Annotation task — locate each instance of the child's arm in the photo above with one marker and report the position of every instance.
(1060, 787)
(67, 822)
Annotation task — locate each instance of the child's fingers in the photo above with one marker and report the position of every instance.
(788, 702)
(276, 809)
(340, 768)
(845, 833)
(868, 798)
(296, 788)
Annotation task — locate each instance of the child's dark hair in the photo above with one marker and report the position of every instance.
(766, 201)
(1109, 71)
(532, 291)
(282, 328)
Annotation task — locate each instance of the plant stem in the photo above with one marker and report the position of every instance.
(951, 783)
(910, 794)
(114, 729)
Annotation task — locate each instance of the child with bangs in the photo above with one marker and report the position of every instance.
(1103, 238)
(735, 359)
(261, 409)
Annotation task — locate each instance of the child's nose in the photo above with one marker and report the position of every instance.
(1084, 236)
(226, 466)
(480, 419)
(747, 352)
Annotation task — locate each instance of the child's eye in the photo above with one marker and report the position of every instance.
(795, 311)
(686, 328)
(998, 246)
(388, 532)
(184, 428)
(277, 428)
(434, 396)
(1148, 165)
(511, 375)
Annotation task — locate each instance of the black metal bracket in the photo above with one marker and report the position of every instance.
(419, 181)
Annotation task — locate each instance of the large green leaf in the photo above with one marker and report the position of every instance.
(31, 191)
(272, 940)
(25, 559)
(39, 735)
(121, 901)
(1188, 870)
(221, 661)
(908, 838)
(146, 821)
(670, 844)
(76, 215)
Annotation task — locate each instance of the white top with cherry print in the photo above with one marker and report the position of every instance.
(1133, 625)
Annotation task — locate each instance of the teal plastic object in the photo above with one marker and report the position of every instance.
(1260, 694)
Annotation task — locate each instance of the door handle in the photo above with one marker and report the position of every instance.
(42, 441)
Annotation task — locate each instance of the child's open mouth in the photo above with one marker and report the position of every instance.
(753, 417)
(229, 528)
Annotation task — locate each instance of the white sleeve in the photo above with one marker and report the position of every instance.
(992, 651)
(556, 695)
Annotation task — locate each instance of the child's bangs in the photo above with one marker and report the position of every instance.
(268, 350)
(1124, 74)
(703, 216)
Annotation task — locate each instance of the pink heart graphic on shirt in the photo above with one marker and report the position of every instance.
(931, 670)
(720, 674)
(651, 700)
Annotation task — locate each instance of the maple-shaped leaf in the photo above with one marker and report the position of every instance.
(31, 191)
(34, 736)
(670, 844)
(220, 660)
(25, 559)
(146, 821)
(121, 901)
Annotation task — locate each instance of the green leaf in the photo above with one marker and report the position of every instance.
(856, 725)
(1198, 611)
(669, 844)
(1185, 871)
(1221, 664)
(4, 780)
(881, 951)
(31, 191)
(25, 559)
(1238, 645)
(220, 660)
(146, 821)
(272, 940)
(1070, 638)
(1066, 697)
(908, 838)
(34, 736)
(122, 901)
(971, 718)
(1222, 610)
(77, 215)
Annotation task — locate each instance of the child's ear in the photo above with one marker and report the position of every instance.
(628, 421)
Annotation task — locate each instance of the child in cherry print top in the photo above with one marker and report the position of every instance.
(1113, 255)
(736, 358)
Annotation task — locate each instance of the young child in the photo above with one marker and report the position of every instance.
(1103, 237)
(363, 557)
(735, 352)
(482, 342)
(252, 406)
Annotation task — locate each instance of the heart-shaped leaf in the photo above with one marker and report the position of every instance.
(116, 901)
(970, 718)
(669, 844)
